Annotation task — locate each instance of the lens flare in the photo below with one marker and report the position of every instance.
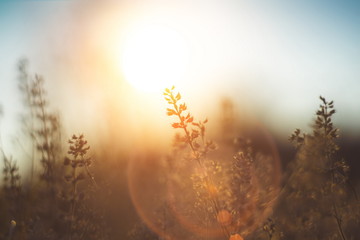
(170, 201)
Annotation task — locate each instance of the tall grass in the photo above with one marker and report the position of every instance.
(221, 186)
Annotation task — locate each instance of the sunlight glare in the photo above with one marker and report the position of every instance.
(154, 57)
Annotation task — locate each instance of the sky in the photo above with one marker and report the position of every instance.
(273, 58)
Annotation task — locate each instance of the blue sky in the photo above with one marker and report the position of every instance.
(277, 56)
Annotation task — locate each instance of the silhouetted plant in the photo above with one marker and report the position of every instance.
(28, 118)
(82, 222)
(11, 182)
(317, 189)
(42, 126)
(77, 150)
(11, 176)
(38, 207)
(14, 200)
(42, 145)
(194, 137)
(47, 132)
(234, 195)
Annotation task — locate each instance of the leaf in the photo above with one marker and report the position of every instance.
(323, 99)
(194, 134)
(170, 112)
(183, 107)
(178, 96)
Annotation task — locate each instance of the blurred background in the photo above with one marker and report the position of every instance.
(106, 64)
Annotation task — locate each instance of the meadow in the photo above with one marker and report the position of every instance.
(231, 182)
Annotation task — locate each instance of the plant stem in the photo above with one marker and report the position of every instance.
(197, 155)
(73, 203)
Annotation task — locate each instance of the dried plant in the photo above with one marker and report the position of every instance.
(28, 118)
(234, 195)
(42, 126)
(77, 150)
(194, 136)
(47, 132)
(15, 202)
(199, 194)
(80, 218)
(47, 207)
(317, 188)
(11, 179)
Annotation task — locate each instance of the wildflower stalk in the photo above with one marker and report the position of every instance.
(190, 138)
(28, 99)
(329, 133)
(42, 127)
(77, 149)
(322, 142)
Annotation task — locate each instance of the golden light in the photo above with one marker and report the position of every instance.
(154, 57)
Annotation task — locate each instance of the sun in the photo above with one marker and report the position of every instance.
(154, 57)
